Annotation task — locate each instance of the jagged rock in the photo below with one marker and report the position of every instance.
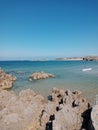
(6, 80)
(55, 90)
(67, 117)
(68, 92)
(40, 75)
(61, 93)
(30, 111)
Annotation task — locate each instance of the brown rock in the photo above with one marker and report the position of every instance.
(30, 111)
(6, 80)
(20, 112)
(40, 75)
(66, 115)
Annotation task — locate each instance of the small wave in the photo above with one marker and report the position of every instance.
(87, 69)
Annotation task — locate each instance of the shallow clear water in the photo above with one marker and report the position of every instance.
(69, 75)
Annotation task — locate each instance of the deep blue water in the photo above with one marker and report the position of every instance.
(69, 75)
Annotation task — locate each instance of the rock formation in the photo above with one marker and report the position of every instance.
(91, 58)
(40, 75)
(63, 111)
(30, 111)
(6, 80)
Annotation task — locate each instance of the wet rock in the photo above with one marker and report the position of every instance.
(6, 80)
(40, 75)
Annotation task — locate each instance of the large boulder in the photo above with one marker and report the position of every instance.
(6, 80)
(40, 75)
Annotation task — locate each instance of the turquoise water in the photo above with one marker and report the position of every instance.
(69, 75)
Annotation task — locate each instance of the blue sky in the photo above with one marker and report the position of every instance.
(48, 28)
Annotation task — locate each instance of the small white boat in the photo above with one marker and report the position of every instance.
(87, 69)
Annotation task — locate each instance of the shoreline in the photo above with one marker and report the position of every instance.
(48, 84)
(29, 110)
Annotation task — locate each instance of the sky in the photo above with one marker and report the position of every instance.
(48, 28)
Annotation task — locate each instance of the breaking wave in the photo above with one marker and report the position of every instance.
(87, 69)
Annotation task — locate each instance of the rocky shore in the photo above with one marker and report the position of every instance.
(6, 80)
(63, 110)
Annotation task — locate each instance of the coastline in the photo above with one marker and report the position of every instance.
(67, 75)
(28, 110)
(82, 58)
(86, 58)
(69, 59)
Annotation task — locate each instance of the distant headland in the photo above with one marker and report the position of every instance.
(86, 58)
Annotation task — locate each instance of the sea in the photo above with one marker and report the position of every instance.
(73, 75)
